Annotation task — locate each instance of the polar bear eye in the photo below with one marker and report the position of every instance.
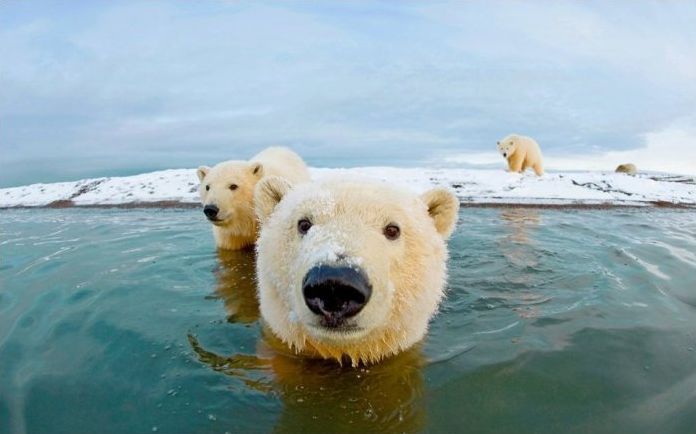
(233, 187)
(207, 187)
(392, 231)
(303, 226)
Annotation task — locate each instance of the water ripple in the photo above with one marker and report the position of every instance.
(560, 310)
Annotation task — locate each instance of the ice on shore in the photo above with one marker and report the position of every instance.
(474, 186)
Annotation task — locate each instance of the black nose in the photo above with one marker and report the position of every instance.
(335, 293)
(504, 154)
(211, 211)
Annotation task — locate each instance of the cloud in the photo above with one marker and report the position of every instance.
(672, 149)
(162, 83)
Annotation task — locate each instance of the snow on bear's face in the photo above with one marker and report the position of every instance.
(507, 145)
(351, 270)
(227, 193)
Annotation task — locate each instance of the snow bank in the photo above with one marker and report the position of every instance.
(473, 186)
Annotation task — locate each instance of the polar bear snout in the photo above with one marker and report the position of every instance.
(211, 212)
(335, 293)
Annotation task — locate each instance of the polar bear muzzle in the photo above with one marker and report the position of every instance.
(335, 293)
(211, 212)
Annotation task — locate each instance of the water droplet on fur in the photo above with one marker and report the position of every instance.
(370, 414)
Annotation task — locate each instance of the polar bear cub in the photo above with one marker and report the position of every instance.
(351, 271)
(227, 192)
(521, 153)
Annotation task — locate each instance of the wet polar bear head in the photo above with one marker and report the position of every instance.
(227, 192)
(351, 270)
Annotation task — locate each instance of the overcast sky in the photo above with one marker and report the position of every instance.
(105, 88)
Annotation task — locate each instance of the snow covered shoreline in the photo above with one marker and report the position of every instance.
(179, 188)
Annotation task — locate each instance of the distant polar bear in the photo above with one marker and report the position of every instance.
(521, 153)
(227, 192)
(351, 271)
(628, 168)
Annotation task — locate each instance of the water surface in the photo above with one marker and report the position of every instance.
(555, 321)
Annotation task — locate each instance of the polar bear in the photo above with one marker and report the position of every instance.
(227, 192)
(521, 153)
(305, 385)
(351, 271)
(628, 168)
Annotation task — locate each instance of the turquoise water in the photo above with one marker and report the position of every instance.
(555, 321)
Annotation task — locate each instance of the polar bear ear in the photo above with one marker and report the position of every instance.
(202, 172)
(267, 194)
(443, 207)
(257, 169)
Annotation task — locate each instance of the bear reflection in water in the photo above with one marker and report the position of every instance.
(236, 285)
(521, 253)
(517, 244)
(317, 395)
